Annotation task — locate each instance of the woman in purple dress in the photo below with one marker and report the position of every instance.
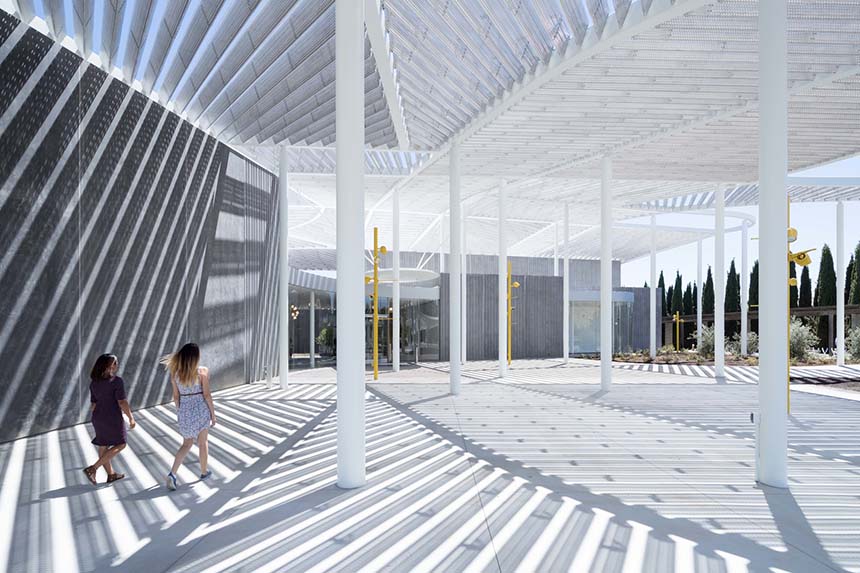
(108, 403)
(194, 407)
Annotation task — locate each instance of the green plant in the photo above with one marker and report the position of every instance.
(327, 338)
(852, 342)
(733, 346)
(706, 348)
(802, 340)
(665, 349)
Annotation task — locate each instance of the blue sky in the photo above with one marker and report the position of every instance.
(815, 224)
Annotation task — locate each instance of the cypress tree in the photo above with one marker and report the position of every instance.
(708, 294)
(792, 290)
(854, 297)
(695, 299)
(669, 310)
(825, 288)
(825, 293)
(849, 273)
(688, 300)
(733, 290)
(753, 292)
(804, 299)
(678, 295)
(646, 284)
(661, 285)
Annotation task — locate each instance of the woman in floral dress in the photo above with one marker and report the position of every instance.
(195, 410)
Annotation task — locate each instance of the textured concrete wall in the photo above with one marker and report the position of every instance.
(123, 229)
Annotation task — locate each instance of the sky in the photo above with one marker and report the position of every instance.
(815, 224)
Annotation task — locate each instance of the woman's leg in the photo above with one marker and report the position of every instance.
(203, 449)
(102, 450)
(180, 455)
(106, 456)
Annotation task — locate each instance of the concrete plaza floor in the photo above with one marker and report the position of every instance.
(539, 472)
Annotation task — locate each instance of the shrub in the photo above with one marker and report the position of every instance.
(733, 346)
(852, 342)
(327, 339)
(666, 349)
(803, 339)
(706, 348)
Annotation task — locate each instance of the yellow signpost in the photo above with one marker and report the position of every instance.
(677, 319)
(511, 285)
(801, 259)
(374, 299)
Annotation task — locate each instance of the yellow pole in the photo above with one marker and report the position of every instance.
(376, 303)
(510, 312)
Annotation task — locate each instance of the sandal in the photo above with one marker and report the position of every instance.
(90, 472)
(115, 477)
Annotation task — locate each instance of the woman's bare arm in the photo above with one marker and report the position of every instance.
(126, 409)
(207, 395)
(175, 392)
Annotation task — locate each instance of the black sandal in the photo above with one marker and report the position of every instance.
(115, 477)
(90, 472)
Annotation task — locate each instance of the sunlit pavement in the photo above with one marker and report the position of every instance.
(538, 472)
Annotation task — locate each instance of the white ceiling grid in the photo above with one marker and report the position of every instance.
(538, 91)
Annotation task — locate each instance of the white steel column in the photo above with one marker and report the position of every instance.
(463, 284)
(606, 275)
(555, 252)
(312, 350)
(284, 270)
(565, 287)
(441, 244)
(454, 261)
(700, 287)
(745, 290)
(395, 286)
(503, 285)
(720, 286)
(840, 284)
(652, 291)
(771, 439)
(349, 135)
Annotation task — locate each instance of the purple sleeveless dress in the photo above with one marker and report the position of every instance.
(107, 417)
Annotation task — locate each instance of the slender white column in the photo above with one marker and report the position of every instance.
(555, 252)
(442, 244)
(700, 287)
(606, 275)
(720, 286)
(283, 270)
(771, 439)
(840, 283)
(395, 287)
(349, 120)
(503, 285)
(745, 290)
(565, 288)
(652, 291)
(312, 319)
(463, 284)
(454, 261)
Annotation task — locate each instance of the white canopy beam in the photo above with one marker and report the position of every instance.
(381, 50)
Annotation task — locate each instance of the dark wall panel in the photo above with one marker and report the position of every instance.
(537, 318)
(123, 229)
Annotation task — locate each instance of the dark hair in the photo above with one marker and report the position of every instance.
(183, 364)
(100, 368)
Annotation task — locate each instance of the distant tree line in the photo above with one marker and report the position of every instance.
(678, 298)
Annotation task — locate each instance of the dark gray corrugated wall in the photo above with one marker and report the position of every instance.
(537, 317)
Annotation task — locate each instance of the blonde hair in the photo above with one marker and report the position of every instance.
(182, 365)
